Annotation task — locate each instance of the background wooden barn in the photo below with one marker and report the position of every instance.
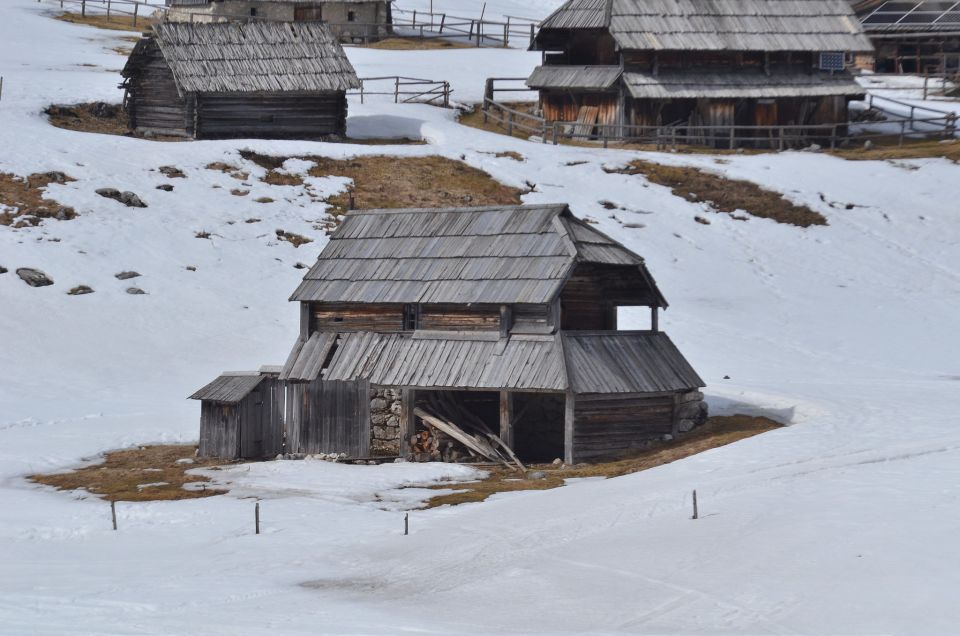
(350, 20)
(241, 415)
(263, 79)
(917, 37)
(498, 319)
(669, 62)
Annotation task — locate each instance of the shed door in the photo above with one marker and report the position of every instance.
(766, 112)
(308, 13)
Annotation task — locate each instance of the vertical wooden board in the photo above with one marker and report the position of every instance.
(506, 418)
(569, 421)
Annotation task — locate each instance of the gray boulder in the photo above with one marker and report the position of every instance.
(34, 277)
(126, 275)
(136, 291)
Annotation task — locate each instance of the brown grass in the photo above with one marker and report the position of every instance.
(888, 149)
(117, 478)
(293, 238)
(274, 177)
(116, 22)
(29, 204)
(414, 44)
(725, 195)
(229, 169)
(718, 431)
(409, 182)
(96, 117)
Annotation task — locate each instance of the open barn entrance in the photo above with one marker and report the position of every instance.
(534, 433)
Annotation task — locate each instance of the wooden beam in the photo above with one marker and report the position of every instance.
(305, 315)
(506, 320)
(654, 319)
(407, 418)
(568, 423)
(506, 418)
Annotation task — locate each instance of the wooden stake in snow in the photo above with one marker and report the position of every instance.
(695, 515)
(406, 524)
(113, 513)
(256, 517)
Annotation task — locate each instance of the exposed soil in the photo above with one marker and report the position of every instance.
(96, 117)
(26, 200)
(718, 431)
(116, 22)
(723, 194)
(414, 44)
(120, 474)
(407, 182)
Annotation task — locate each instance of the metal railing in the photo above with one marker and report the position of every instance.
(407, 90)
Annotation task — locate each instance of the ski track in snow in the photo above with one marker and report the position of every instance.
(842, 522)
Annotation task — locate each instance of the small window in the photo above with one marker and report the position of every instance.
(351, 16)
(253, 12)
(409, 317)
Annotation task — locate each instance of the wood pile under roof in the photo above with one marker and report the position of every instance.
(235, 57)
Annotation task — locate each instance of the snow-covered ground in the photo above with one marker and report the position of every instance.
(843, 522)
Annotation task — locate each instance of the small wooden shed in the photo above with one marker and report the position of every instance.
(241, 415)
(350, 20)
(708, 67)
(229, 80)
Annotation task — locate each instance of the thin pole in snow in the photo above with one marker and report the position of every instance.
(695, 514)
(113, 513)
(256, 517)
(406, 524)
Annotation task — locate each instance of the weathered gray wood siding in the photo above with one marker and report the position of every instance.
(329, 417)
(271, 115)
(606, 425)
(153, 104)
(219, 430)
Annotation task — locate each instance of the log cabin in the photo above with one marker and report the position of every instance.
(234, 80)
(502, 319)
(915, 37)
(697, 64)
(350, 20)
(241, 415)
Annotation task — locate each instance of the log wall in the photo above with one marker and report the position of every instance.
(459, 318)
(607, 425)
(347, 317)
(251, 429)
(271, 115)
(153, 103)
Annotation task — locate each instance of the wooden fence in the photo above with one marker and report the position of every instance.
(477, 31)
(510, 117)
(407, 90)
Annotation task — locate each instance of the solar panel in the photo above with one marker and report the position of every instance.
(831, 61)
(912, 15)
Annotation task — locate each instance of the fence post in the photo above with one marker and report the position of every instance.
(443, 18)
(903, 126)
(732, 132)
(506, 33)
(780, 144)
(488, 91)
(555, 142)
(533, 33)
(926, 79)
(414, 23)
(83, 8)
(510, 123)
(833, 138)
(446, 94)
(479, 33)
(108, 10)
(136, 9)
(396, 90)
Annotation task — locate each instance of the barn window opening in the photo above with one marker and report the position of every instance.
(253, 12)
(351, 16)
(410, 317)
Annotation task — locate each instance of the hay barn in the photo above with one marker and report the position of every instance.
(233, 80)
(241, 415)
(498, 320)
(350, 20)
(698, 64)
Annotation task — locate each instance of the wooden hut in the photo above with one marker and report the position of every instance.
(241, 415)
(350, 20)
(498, 318)
(919, 37)
(263, 79)
(696, 64)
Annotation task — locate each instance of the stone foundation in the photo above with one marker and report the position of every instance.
(690, 412)
(385, 405)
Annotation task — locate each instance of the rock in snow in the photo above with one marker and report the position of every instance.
(127, 198)
(80, 290)
(127, 275)
(34, 277)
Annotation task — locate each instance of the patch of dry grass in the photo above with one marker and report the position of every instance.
(718, 431)
(414, 44)
(229, 169)
(28, 204)
(293, 238)
(116, 22)
(725, 195)
(275, 177)
(96, 117)
(403, 182)
(888, 149)
(120, 474)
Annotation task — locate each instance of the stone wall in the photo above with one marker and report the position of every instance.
(385, 407)
(691, 411)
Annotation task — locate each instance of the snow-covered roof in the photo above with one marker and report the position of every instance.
(232, 57)
(510, 254)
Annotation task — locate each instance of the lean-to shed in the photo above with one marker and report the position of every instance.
(262, 79)
(350, 20)
(705, 66)
(241, 415)
(496, 318)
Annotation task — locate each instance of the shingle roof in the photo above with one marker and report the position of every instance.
(909, 17)
(496, 255)
(738, 85)
(254, 57)
(231, 387)
(706, 25)
(584, 77)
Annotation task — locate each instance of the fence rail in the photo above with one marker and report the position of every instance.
(407, 90)
(475, 30)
